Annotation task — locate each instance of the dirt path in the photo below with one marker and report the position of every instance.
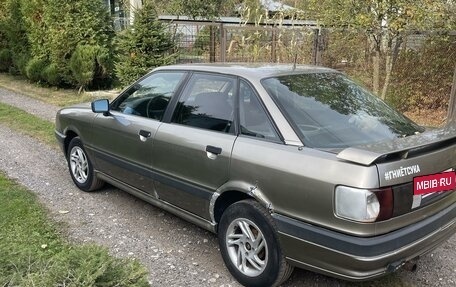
(32, 106)
(176, 253)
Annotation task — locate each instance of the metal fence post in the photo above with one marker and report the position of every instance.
(274, 46)
(322, 38)
(452, 101)
(222, 43)
(315, 48)
(211, 44)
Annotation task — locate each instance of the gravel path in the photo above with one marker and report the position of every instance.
(175, 252)
(32, 106)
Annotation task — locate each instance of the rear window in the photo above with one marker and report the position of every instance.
(328, 110)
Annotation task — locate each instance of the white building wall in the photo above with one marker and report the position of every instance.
(134, 6)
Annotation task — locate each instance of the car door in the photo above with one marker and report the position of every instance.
(192, 150)
(123, 140)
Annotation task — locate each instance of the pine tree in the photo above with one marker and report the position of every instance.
(145, 46)
(84, 23)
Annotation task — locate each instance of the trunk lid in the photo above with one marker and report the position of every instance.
(400, 147)
(401, 160)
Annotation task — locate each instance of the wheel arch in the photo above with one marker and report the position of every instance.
(233, 192)
(69, 135)
(226, 199)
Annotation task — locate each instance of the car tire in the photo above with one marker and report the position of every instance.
(80, 167)
(249, 245)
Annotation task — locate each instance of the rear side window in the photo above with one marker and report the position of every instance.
(208, 103)
(252, 117)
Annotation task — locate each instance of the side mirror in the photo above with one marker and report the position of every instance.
(101, 106)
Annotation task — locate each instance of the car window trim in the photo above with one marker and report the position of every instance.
(286, 114)
(167, 116)
(281, 139)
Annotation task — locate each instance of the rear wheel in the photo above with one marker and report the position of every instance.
(249, 245)
(80, 167)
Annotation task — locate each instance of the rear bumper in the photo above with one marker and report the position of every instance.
(358, 258)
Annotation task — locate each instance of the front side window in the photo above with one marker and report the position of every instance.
(208, 103)
(330, 111)
(149, 97)
(252, 117)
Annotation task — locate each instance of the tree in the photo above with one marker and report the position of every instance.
(86, 62)
(42, 35)
(5, 53)
(451, 117)
(145, 46)
(37, 34)
(386, 23)
(3, 17)
(72, 23)
(15, 34)
(422, 77)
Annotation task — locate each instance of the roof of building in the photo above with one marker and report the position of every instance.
(231, 21)
(275, 6)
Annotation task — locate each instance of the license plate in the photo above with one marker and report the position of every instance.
(445, 181)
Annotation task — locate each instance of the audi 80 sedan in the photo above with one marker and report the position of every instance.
(292, 166)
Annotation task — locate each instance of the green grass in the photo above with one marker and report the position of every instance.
(28, 124)
(33, 252)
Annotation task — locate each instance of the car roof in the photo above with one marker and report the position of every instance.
(249, 70)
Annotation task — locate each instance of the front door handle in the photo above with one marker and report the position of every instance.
(144, 135)
(213, 149)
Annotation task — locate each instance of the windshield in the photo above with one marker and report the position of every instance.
(330, 111)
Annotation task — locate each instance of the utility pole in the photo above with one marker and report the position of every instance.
(451, 116)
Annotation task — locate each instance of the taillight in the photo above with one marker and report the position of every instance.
(386, 201)
(363, 205)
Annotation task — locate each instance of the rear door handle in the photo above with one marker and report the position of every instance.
(213, 149)
(144, 135)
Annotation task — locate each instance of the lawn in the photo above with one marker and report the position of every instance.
(33, 252)
(28, 124)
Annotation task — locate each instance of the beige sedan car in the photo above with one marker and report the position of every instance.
(290, 166)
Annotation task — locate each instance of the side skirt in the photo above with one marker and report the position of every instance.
(190, 217)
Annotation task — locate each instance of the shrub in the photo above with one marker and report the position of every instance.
(423, 78)
(5, 60)
(34, 253)
(89, 64)
(37, 31)
(35, 68)
(16, 36)
(73, 23)
(82, 64)
(51, 75)
(145, 46)
(103, 77)
(20, 61)
(53, 29)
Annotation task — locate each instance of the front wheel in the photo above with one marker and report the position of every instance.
(249, 245)
(80, 166)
